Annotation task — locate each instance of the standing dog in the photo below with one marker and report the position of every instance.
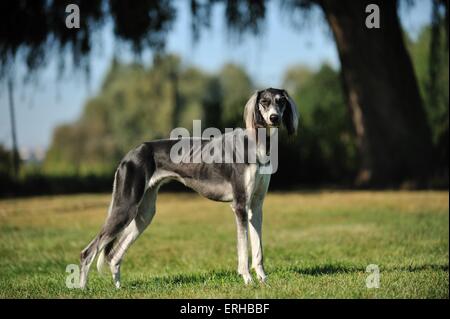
(145, 168)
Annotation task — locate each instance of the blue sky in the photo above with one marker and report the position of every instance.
(50, 100)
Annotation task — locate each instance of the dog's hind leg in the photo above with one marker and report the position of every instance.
(129, 186)
(144, 217)
(88, 254)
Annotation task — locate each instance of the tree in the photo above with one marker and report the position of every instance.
(236, 88)
(431, 66)
(5, 162)
(379, 83)
(137, 104)
(381, 90)
(325, 151)
(382, 93)
(15, 149)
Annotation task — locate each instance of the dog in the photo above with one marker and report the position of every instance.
(145, 168)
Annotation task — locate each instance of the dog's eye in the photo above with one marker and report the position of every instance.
(265, 102)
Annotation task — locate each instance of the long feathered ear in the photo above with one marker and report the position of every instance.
(249, 111)
(290, 115)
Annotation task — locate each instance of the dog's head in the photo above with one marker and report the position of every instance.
(269, 108)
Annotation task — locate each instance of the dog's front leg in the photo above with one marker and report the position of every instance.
(242, 242)
(255, 227)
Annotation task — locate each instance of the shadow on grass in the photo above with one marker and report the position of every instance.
(327, 269)
(228, 276)
(423, 268)
(330, 269)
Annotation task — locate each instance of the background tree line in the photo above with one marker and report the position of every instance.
(138, 103)
(381, 120)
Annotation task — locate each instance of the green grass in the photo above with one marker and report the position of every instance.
(317, 245)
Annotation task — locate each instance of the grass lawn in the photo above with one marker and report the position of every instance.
(317, 245)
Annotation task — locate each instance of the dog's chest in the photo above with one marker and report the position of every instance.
(256, 182)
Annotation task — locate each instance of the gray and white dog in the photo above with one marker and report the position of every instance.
(145, 168)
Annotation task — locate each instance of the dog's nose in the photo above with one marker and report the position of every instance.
(274, 118)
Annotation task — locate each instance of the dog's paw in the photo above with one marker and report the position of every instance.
(247, 278)
(259, 270)
(262, 278)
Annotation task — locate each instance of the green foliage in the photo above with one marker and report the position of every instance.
(432, 71)
(5, 161)
(40, 32)
(325, 148)
(237, 88)
(327, 123)
(133, 106)
(138, 104)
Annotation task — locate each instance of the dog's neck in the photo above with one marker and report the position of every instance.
(262, 143)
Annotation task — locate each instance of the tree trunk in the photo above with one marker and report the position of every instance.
(382, 92)
(15, 149)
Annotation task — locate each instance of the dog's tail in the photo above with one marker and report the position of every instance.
(104, 256)
(102, 261)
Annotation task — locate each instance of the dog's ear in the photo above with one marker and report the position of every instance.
(249, 111)
(290, 115)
